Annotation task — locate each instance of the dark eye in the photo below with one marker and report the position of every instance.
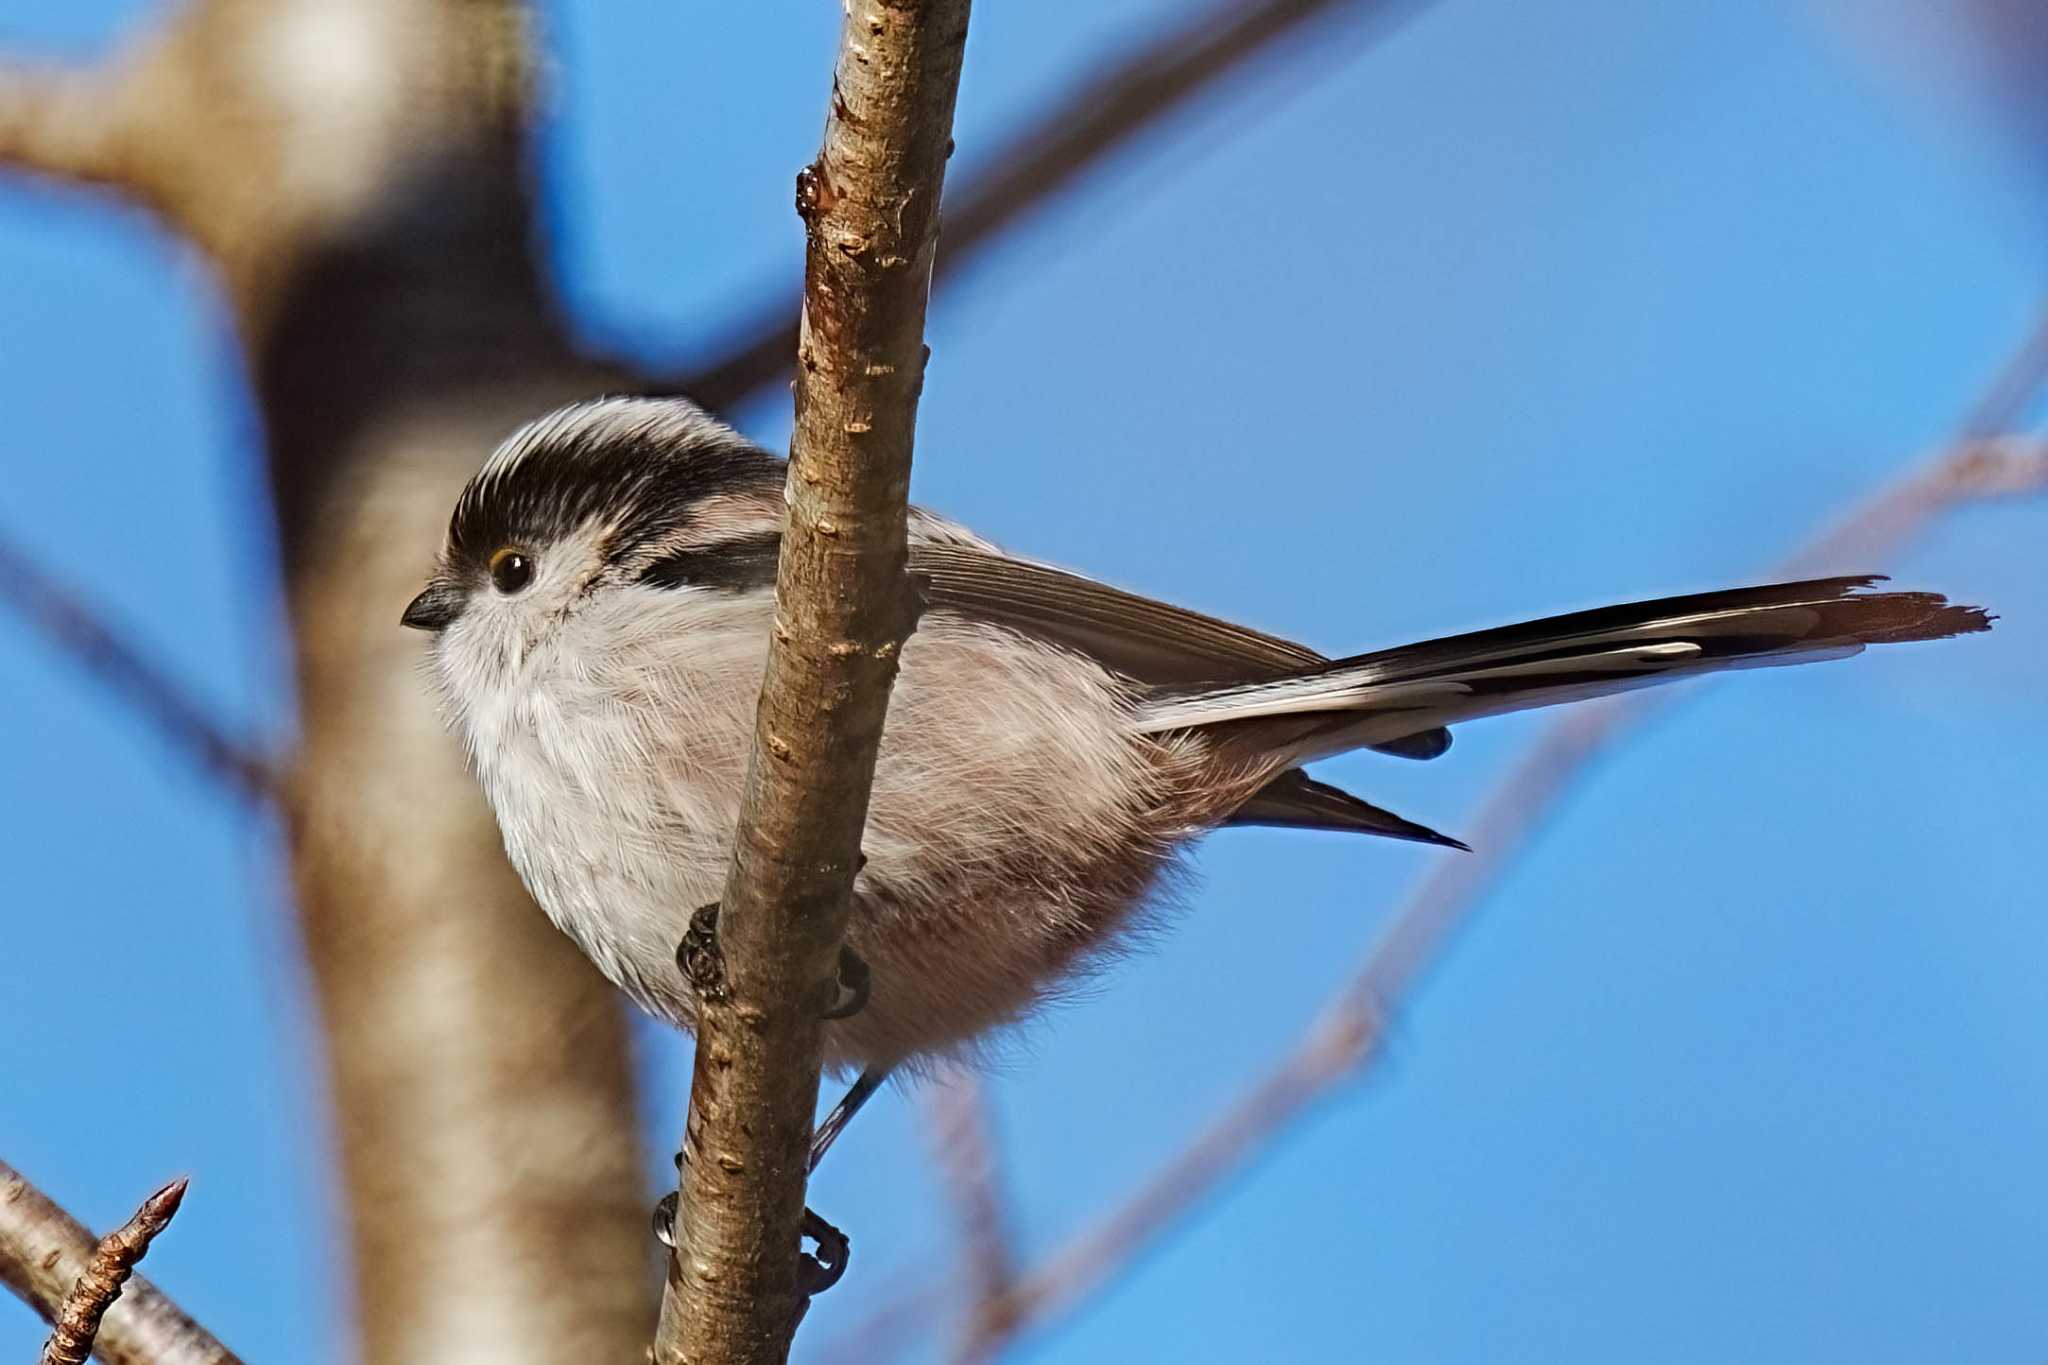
(511, 570)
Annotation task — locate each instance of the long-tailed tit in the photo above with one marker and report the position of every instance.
(601, 614)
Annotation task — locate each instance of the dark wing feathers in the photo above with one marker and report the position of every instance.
(1294, 800)
(1136, 636)
(1423, 744)
(1145, 640)
(1162, 645)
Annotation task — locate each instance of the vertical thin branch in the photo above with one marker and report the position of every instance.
(843, 609)
(957, 1108)
(113, 1261)
(49, 1259)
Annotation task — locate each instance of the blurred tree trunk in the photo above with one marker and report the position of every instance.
(483, 1100)
(481, 1080)
(357, 173)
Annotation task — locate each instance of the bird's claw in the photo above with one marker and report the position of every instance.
(665, 1220)
(698, 955)
(816, 1272)
(855, 982)
(703, 965)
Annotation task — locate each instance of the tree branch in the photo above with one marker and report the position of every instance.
(70, 1278)
(957, 1108)
(113, 1261)
(63, 619)
(57, 122)
(1095, 118)
(1340, 1045)
(843, 609)
(203, 118)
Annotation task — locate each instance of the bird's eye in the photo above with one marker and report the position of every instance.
(511, 570)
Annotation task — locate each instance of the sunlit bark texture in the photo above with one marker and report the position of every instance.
(843, 608)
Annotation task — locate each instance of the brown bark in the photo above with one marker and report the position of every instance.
(49, 1259)
(843, 609)
(112, 1262)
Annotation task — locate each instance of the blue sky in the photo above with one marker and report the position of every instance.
(1524, 308)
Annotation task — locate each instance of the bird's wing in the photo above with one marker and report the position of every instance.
(1148, 641)
(1160, 645)
(1145, 640)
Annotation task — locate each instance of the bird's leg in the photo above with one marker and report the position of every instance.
(818, 1272)
(824, 1269)
(859, 1093)
(704, 966)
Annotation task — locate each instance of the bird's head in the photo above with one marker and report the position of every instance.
(585, 507)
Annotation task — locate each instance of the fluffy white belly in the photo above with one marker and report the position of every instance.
(1016, 823)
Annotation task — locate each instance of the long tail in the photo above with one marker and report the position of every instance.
(1380, 698)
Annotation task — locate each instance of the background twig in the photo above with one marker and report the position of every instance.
(62, 618)
(112, 1262)
(45, 1255)
(957, 1109)
(1026, 170)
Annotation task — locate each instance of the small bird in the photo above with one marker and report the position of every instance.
(601, 614)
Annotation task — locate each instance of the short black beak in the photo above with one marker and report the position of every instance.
(433, 609)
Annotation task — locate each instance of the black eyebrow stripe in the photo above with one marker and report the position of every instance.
(737, 565)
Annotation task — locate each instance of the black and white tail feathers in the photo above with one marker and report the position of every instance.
(1376, 699)
(1270, 704)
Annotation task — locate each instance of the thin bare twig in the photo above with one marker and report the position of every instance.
(1103, 112)
(1971, 471)
(59, 1269)
(1340, 1045)
(62, 618)
(843, 607)
(113, 1261)
(957, 1109)
(902, 1311)
(56, 122)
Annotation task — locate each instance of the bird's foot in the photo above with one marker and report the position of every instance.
(665, 1220)
(816, 1271)
(703, 966)
(855, 983)
(702, 963)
